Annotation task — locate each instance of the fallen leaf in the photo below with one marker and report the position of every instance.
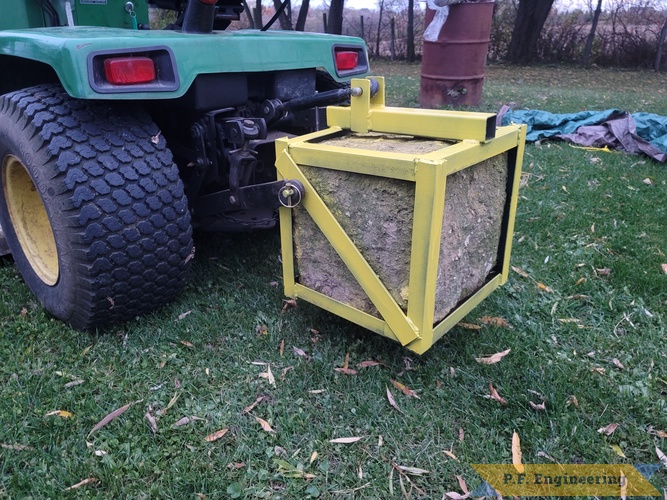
(177, 383)
(469, 326)
(151, 421)
(17, 447)
(516, 453)
(100, 453)
(392, 401)
(494, 395)
(412, 471)
(301, 352)
(287, 305)
(250, 408)
(187, 344)
(599, 370)
(171, 403)
(60, 413)
(580, 281)
(608, 429)
(89, 480)
(617, 449)
(661, 434)
(345, 369)
(262, 330)
(236, 465)
(116, 413)
(544, 287)
(450, 455)
(572, 400)
(493, 358)
(605, 271)
(520, 272)
(268, 374)
(183, 315)
(461, 434)
(661, 456)
(664, 268)
(345, 440)
(73, 383)
(456, 496)
(265, 425)
(285, 371)
(538, 407)
(618, 364)
(405, 390)
(216, 435)
(462, 484)
(281, 350)
(548, 457)
(186, 420)
(367, 364)
(313, 457)
(488, 320)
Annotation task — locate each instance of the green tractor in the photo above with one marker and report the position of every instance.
(116, 140)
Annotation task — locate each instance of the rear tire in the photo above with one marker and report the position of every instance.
(92, 206)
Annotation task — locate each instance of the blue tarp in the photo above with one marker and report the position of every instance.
(635, 133)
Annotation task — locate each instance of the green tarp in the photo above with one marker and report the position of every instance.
(635, 133)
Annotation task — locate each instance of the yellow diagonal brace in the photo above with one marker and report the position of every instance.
(403, 328)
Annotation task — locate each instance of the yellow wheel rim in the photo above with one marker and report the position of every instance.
(30, 221)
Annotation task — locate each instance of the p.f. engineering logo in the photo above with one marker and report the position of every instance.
(564, 480)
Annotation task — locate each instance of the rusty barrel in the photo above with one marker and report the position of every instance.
(452, 70)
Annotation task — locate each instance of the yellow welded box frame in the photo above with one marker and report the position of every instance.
(478, 140)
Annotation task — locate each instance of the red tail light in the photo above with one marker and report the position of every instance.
(129, 70)
(346, 60)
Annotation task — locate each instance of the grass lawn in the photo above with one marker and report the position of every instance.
(585, 315)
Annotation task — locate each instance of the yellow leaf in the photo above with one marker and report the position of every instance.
(516, 453)
(405, 390)
(493, 358)
(544, 287)
(469, 326)
(494, 395)
(345, 440)
(618, 451)
(450, 455)
(488, 320)
(265, 425)
(313, 457)
(60, 413)
(520, 272)
(216, 435)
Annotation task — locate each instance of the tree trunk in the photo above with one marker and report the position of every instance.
(335, 21)
(586, 59)
(248, 12)
(285, 17)
(661, 42)
(393, 39)
(257, 14)
(303, 15)
(410, 49)
(377, 39)
(530, 19)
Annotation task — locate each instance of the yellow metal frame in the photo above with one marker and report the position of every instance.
(415, 328)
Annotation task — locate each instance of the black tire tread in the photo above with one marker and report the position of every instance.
(121, 200)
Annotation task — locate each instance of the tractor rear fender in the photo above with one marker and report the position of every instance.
(77, 56)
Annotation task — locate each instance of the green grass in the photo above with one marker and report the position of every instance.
(580, 213)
